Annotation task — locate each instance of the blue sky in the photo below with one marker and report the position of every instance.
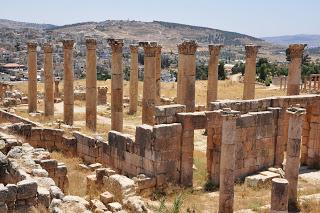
(252, 17)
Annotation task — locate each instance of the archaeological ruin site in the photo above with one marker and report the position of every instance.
(121, 147)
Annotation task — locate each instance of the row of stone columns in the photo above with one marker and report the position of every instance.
(284, 191)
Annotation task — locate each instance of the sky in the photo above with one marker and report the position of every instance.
(259, 18)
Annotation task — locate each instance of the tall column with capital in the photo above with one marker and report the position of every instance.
(48, 80)
(91, 85)
(116, 85)
(68, 99)
(294, 71)
(250, 72)
(187, 74)
(133, 92)
(32, 77)
(296, 118)
(158, 75)
(149, 82)
(212, 91)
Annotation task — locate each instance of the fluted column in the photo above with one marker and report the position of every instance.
(158, 75)
(116, 85)
(227, 160)
(250, 72)
(91, 85)
(48, 80)
(134, 81)
(149, 82)
(32, 77)
(187, 74)
(294, 71)
(212, 91)
(296, 118)
(68, 82)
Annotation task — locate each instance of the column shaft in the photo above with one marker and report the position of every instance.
(227, 161)
(212, 91)
(158, 75)
(68, 82)
(186, 73)
(250, 72)
(32, 77)
(134, 81)
(294, 72)
(91, 85)
(149, 82)
(279, 195)
(116, 85)
(296, 117)
(48, 81)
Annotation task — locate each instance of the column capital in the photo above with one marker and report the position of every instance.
(134, 48)
(68, 43)
(116, 44)
(158, 49)
(296, 50)
(47, 48)
(188, 47)
(251, 50)
(214, 49)
(32, 46)
(91, 43)
(150, 48)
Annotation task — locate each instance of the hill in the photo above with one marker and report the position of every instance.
(311, 40)
(4, 23)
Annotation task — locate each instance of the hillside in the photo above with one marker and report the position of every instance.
(4, 23)
(311, 40)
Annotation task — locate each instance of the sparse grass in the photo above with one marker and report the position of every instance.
(76, 175)
(200, 173)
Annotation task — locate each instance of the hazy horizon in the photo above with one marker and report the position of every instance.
(285, 17)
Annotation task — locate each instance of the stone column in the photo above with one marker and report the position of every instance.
(116, 85)
(227, 160)
(56, 88)
(250, 72)
(294, 71)
(186, 73)
(134, 81)
(68, 82)
(212, 91)
(285, 83)
(32, 77)
(149, 82)
(280, 82)
(296, 118)
(158, 75)
(279, 195)
(91, 85)
(48, 80)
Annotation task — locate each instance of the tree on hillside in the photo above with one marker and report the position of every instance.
(221, 72)
(238, 68)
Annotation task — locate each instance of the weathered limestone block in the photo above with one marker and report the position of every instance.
(114, 207)
(26, 189)
(120, 186)
(261, 180)
(106, 198)
(102, 95)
